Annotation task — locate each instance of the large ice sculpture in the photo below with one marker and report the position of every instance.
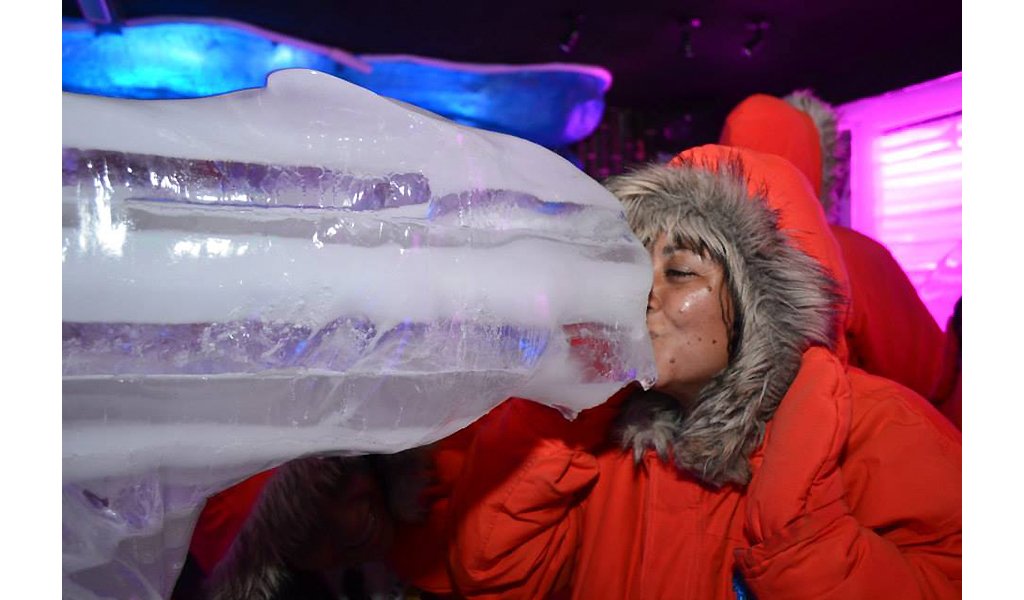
(308, 268)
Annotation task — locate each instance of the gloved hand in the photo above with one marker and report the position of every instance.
(798, 479)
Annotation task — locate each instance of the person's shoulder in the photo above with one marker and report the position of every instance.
(902, 464)
(884, 409)
(848, 237)
(866, 255)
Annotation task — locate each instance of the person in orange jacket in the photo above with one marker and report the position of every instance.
(859, 497)
(948, 391)
(759, 463)
(890, 331)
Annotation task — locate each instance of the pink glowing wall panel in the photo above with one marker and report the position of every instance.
(905, 183)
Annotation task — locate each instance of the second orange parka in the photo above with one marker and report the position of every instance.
(890, 330)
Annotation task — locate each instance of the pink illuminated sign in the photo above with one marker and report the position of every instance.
(905, 183)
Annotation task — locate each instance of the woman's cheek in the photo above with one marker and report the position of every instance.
(668, 351)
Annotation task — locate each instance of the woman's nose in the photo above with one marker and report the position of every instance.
(653, 302)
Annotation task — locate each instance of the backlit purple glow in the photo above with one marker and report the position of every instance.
(920, 148)
(923, 164)
(905, 183)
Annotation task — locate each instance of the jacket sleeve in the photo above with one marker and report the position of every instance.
(896, 534)
(516, 508)
(891, 333)
(222, 518)
(419, 555)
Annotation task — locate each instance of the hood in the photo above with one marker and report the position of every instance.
(294, 519)
(801, 128)
(757, 215)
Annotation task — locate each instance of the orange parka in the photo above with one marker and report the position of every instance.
(890, 330)
(855, 487)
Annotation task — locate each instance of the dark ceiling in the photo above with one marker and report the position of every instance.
(671, 58)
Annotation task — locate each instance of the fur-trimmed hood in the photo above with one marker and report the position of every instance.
(291, 519)
(756, 215)
(835, 157)
(801, 128)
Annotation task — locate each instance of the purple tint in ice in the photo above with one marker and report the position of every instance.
(246, 346)
(450, 344)
(489, 201)
(149, 177)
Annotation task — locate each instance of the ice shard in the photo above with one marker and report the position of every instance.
(309, 268)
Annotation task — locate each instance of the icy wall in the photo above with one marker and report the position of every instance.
(309, 268)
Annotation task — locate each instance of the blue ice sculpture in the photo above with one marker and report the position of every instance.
(554, 105)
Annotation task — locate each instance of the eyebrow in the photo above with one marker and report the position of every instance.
(672, 249)
(669, 250)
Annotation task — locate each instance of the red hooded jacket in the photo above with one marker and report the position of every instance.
(530, 505)
(855, 490)
(890, 331)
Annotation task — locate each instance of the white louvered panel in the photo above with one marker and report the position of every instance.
(919, 210)
(916, 205)
(906, 228)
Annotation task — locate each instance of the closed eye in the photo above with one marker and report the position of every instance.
(678, 274)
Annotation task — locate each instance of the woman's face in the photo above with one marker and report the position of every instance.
(687, 315)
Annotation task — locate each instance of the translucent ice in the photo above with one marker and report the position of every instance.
(309, 268)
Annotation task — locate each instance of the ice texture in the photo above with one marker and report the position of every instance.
(309, 268)
(238, 183)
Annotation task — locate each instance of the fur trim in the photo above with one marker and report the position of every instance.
(783, 302)
(288, 520)
(405, 476)
(835, 159)
(283, 526)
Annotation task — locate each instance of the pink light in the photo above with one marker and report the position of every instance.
(928, 163)
(922, 180)
(906, 235)
(905, 183)
(913, 152)
(898, 196)
(894, 140)
(932, 206)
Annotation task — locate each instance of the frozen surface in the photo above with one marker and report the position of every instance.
(308, 268)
